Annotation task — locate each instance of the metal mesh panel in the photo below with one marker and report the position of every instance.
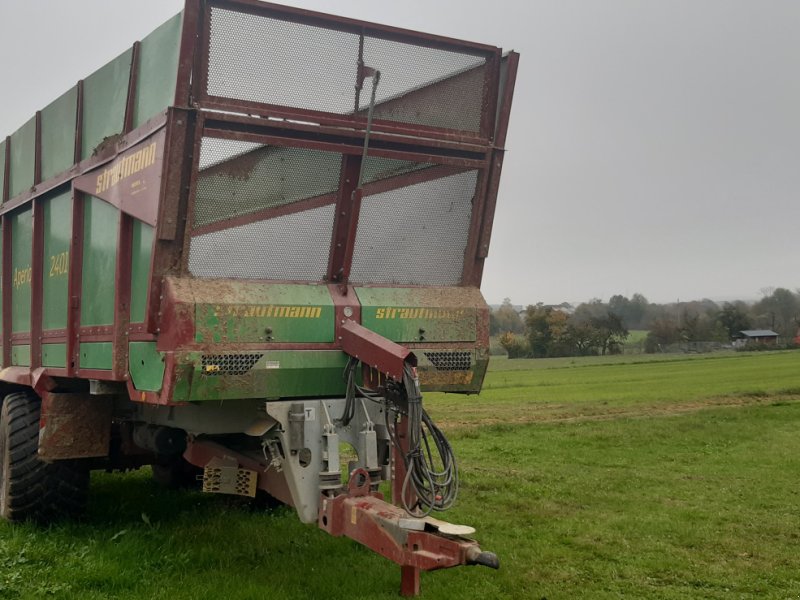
(237, 178)
(450, 360)
(267, 60)
(292, 247)
(425, 86)
(415, 235)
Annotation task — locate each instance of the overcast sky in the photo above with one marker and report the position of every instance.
(654, 146)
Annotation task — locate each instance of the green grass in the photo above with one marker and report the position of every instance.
(523, 391)
(591, 479)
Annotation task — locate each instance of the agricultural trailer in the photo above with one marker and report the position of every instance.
(255, 236)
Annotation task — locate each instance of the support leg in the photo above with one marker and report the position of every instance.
(409, 576)
(409, 581)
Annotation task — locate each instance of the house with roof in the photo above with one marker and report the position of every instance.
(755, 336)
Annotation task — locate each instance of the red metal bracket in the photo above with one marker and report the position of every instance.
(386, 529)
(375, 350)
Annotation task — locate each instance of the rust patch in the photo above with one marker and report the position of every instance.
(74, 426)
(433, 377)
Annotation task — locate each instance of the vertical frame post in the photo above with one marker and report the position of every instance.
(6, 170)
(37, 253)
(122, 271)
(78, 125)
(476, 219)
(5, 275)
(187, 53)
(345, 221)
(6, 290)
(173, 227)
(490, 84)
(122, 296)
(37, 282)
(74, 285)
(133, 78)
(37, 149)
(496, 165)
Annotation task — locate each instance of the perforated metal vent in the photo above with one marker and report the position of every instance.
(262, 59)
(416, 234)
(450, 361)
(228, 364)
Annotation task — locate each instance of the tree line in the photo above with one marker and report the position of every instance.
(598, 327)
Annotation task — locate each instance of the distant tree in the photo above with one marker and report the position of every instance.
(610, 333)
(733, 318)
(595, 308)
(632, 312)
(505, 319)
(779, 311)
(582, 338)
(515, 346)
(663, 332)
(546, 328)
(637, 312)
(691, 328)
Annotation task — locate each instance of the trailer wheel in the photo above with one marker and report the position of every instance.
(31, 489)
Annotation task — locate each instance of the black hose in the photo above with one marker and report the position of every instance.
(431, 469)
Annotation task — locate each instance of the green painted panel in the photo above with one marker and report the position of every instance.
(96, 355)
(2, 167)
(21, 356)
(58, 134)
(21, 238)
(421, 314)
(146, 365)
(238, 311)
(23, 145)
(55, 274)
(54, 355)
(158, 70)
(105, 93)
(280, 374)
(140, 268)
(100, 225)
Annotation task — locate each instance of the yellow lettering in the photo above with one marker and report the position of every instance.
(124, 168)
(270, 310)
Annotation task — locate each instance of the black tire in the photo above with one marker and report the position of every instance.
(31, 489)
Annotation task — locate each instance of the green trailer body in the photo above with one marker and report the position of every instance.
(189, 231)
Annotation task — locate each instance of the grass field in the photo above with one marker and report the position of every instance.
(593, 478)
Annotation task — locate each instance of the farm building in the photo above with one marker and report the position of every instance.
(757, 336)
